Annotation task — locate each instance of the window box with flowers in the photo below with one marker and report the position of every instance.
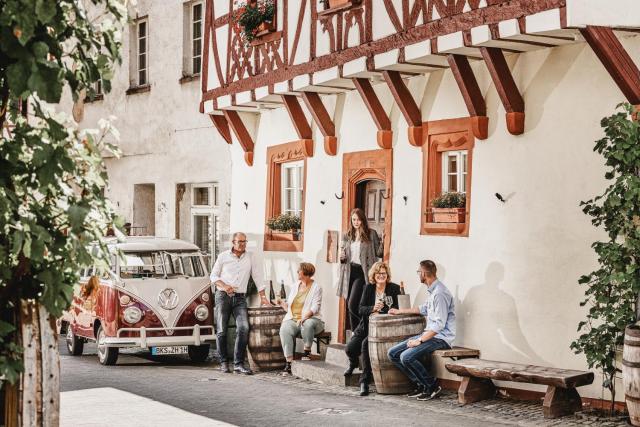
(449, 208)
(285, 227)
(254, 19)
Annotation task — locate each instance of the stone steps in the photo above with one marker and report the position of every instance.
(324, 373)
(330, 371)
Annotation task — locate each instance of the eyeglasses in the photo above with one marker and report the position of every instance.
(419, 271)
(381, 273)
(240, 241)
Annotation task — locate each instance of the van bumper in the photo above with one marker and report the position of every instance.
(199, 335)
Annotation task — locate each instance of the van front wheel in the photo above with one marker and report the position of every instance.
(75, 344)
(106, 355)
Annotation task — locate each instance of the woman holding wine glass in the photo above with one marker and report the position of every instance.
(378, 297)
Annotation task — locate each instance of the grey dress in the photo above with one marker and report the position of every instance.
(370, 252)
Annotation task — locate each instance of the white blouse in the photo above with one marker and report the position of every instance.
(355, 252)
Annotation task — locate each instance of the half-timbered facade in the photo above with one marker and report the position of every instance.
(387, 104)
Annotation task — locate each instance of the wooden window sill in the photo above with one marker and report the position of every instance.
(342, 7)
(266, 37)
(138, 89)
(189, 78)
(282, 245)
(459, 229)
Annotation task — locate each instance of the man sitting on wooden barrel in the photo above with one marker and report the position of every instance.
(439, 310)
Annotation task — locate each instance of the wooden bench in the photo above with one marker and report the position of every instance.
(457, 353)
(561, 398)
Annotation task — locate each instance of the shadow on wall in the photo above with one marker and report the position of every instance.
(554, 69)
(488, 319)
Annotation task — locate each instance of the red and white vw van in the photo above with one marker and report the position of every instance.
(157, 298)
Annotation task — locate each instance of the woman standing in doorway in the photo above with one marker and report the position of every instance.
(361, 247)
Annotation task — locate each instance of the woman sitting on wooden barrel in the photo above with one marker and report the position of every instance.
(378, 297)
(303, 314)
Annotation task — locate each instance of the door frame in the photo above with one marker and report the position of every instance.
(357, 167)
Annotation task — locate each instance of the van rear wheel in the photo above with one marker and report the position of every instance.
(75, 344)
(199, 353)
(106, 355)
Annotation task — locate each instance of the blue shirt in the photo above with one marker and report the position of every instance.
(439, 309)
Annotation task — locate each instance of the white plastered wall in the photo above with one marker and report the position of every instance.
(515, 277)
(164, 139)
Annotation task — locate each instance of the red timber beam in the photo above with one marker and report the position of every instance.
(379, 116)
(471, 93)
(322, 118)
(507, 89)
(298, 118)
(616, 60)
(223, 127)
(407, 105)
(240, 131)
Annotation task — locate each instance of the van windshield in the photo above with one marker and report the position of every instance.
(140, 265)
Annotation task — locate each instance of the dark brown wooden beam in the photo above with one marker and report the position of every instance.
(222, 126)
(471, 94)
(507, 89)
(615, 59)
(378, 114)
(298, 118)
(408, 106)
(322, 118)
(240, 131)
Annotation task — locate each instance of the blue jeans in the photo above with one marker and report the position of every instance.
(409, 360)
(225, 306)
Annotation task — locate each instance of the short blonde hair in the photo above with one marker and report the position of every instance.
(375, 268)
(307, 269)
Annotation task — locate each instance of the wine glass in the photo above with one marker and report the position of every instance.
(388, 300)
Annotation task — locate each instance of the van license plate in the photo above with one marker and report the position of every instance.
(175, 349)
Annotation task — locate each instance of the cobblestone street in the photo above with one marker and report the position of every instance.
(268, 398)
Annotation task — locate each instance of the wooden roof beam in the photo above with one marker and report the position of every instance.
(378, 114)
(298, 118)
(407, 105)
(615, 59)
(222, 126)
(507, 89)
(471, 93)
(322, 118)
(240, 131)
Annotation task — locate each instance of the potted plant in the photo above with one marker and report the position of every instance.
(253, 18)
(285, 227)
(611, 294)
(449, 208)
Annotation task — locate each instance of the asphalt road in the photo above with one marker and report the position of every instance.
(236, 399)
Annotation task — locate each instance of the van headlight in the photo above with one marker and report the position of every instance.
(132, 315)
(202, 312)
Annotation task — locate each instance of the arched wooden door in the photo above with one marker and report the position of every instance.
(364, 172)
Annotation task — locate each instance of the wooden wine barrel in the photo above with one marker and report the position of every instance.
(385, 331)
(631, 372)
(265, 349)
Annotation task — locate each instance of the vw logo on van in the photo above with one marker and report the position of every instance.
(168, 299)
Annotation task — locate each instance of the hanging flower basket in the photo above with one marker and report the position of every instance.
(253, 18)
